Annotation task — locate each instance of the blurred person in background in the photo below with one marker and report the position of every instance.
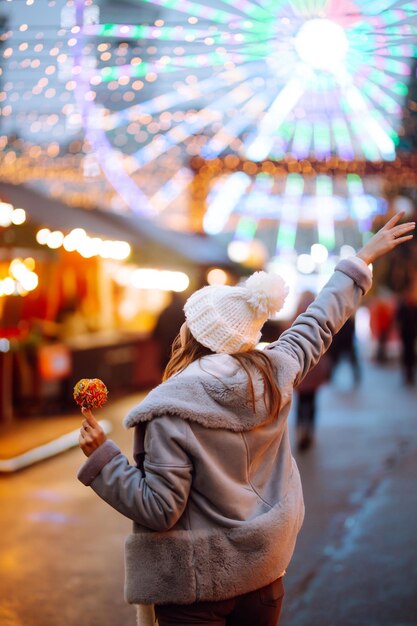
(167, 328)
(406, 316)
(344, 347)
(382, 317)
(215, 494)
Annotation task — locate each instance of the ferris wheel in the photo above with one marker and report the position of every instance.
(257, 79)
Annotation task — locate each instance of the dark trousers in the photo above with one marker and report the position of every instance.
(306, 409)
(257, 608)
(408, 358)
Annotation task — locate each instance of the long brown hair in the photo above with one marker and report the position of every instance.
(190, 350)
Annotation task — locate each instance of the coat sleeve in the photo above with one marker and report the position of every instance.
(311, 333)
(156, 497)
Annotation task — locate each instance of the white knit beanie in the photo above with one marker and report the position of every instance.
(229, 319)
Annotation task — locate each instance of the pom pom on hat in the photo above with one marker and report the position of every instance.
(229, 319)
(266, 292)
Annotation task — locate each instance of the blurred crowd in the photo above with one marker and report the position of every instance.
(390, 339)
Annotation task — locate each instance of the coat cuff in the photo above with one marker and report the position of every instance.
(96, 461)
(357, 270)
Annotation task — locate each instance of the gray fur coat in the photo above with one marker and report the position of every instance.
(215, 496)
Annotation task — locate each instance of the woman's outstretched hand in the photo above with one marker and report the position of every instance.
(386, 239)
(91, 433)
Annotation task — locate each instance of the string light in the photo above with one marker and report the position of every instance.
(78, 240)
(9, 215)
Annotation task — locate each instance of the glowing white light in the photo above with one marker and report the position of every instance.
(78, 234)
(127, 310)
(106, 249)
(29, 281)
(55, 239)
(85, 248)
(305, 264)
(69, 243)
(6, 212)
(95, 245)
(75, 239)
(371, 127)
(226, 196)
(9, 286)
(238, 251)
(121, 250)
(17, 269)
(18, 216)
(346, 251)
(173, 281)
(42, 236)
(162, 280)
(319, 253)
(285, 266)
(123, 276)
(88, 247)
(322, 44)
(402, 203)
(283, 104)
(144, 278)
(4, 343)
(216, 276)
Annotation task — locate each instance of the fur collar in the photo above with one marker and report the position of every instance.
(211, 392)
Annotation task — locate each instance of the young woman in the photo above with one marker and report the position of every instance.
(215, 495)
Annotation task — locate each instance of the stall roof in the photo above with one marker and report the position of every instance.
(146, 237)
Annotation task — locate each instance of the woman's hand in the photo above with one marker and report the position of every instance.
(389, 237)
(91, 433)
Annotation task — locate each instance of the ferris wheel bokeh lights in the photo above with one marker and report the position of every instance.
(272, 81)
(307, 80)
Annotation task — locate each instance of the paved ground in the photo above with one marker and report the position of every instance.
(61, 551)
(356, 558)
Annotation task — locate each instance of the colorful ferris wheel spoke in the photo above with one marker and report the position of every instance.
(342, 138)
(230, 131)
(195, 124)
(330, 77)
(383, 79)
(375, 7)
(368, 126)
(253, 10)
(302, 138)
(196, 9)
(285, 101)
(172, 187)
(290, 209)
(378, 95)
(162, 66)
(181, 95)
(171, 34)
(171, 190)
(325, 220)
(240, 247)
(223, 198)
(246, 228)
